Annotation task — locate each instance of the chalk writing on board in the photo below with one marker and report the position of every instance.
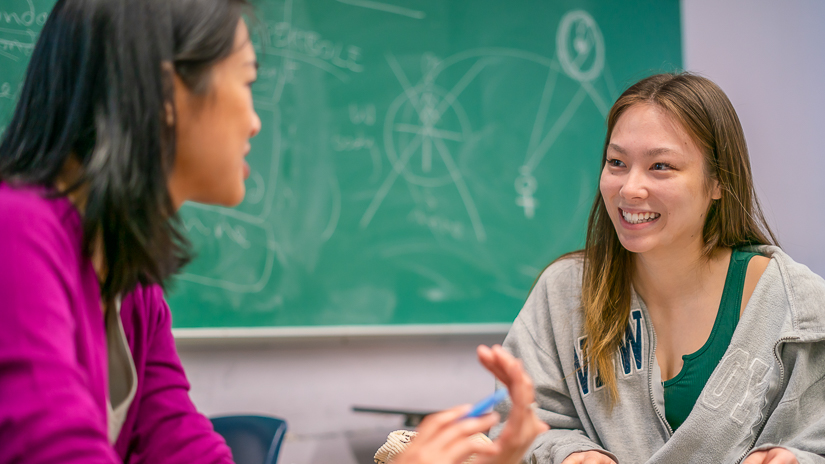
(236, 233)
(437, 224)
(359, 115)
(26, 17)
(5, 90)
(310, 45)
(359, 142)
(17, 36)
(16, 45)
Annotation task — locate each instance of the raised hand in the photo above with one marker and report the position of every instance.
(444, 438)
(523, 426)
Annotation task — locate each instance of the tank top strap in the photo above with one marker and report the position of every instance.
(731, 303)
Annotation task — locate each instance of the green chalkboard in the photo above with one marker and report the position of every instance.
(420, 161)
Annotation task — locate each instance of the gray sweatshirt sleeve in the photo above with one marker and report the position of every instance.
(541, 360)
(797, 423)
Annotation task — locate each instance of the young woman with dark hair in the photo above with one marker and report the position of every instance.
(129, 109)
(681, 333)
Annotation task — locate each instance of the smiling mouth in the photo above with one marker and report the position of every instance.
(639, 218)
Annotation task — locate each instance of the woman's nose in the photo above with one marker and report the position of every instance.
(256, 124)
(635, 185)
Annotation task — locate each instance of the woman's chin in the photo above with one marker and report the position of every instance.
(236, 199)
(636, 246)
(225, 199)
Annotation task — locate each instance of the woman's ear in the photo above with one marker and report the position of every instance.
(170, 114)
(170, 77)
(716, 192)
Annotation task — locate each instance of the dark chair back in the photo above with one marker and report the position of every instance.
(252, 439)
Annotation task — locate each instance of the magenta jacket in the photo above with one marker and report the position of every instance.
(53, 364)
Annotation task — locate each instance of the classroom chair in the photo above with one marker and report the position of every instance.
(252, 439)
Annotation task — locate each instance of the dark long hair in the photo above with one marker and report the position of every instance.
(706, 114)
(98, 88)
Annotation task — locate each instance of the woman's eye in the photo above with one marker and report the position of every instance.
(660, 166)
(613, 162)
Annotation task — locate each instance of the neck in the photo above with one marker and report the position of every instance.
(666, 278)
(70, 174)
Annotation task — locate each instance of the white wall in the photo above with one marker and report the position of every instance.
(314, 383)
(769, 56)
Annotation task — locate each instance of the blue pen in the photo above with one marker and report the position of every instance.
(487, 403)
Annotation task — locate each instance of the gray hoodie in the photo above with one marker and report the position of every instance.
(768, 390)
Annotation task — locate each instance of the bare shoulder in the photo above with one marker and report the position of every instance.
(756, 267)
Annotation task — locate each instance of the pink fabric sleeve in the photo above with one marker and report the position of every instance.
(52, 370)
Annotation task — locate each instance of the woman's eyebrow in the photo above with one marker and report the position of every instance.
(660, 151)
(615, 147)
(651, 152)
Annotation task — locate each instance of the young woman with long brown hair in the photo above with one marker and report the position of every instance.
(681, 333)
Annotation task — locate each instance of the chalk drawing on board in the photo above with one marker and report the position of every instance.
(386, 7)
(580, 56)
(256, 194)
(526, 186)
(580, 46)
(335, 214)
(580, 50)
(238, 243)
(421, 121)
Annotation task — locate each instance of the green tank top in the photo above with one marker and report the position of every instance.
(682, 391)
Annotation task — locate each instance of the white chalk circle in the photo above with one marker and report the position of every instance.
(579, 41)
(423, 114)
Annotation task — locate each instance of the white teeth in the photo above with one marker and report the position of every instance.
(638, 218)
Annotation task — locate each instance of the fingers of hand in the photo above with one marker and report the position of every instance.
(521, 385)
(447, 427)
(445, 438)
(510, 371)
(757, 457)
(781, 456)
(588, 457)
(456, 452)
(461, 450)
(491, 359)
(432, 424)
(771, 456)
